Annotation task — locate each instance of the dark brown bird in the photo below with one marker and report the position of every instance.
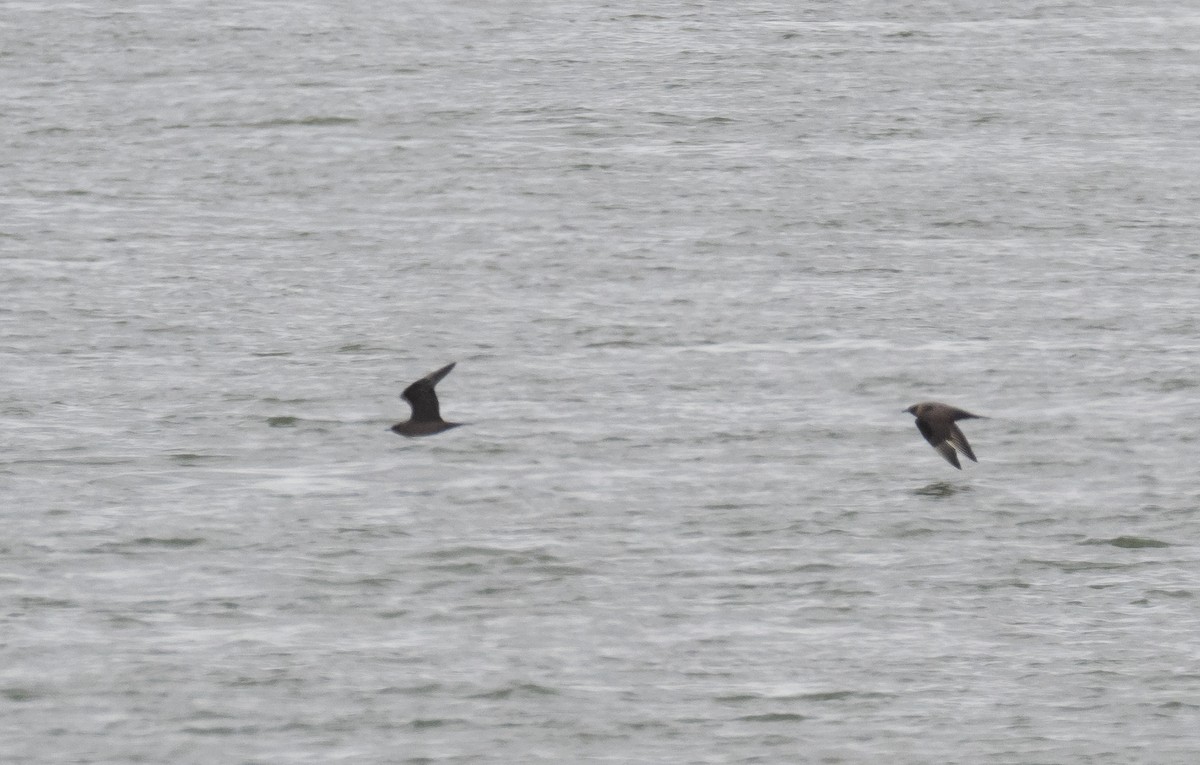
(426, 419)
(936, 423)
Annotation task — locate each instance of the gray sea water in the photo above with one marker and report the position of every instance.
(693, 260)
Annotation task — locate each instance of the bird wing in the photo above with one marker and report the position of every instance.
(947, 451)
(940, 439)
(962, 414)
(959, 440)
(422, 398)
(927, 430)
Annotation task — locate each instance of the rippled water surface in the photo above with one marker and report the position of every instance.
(693, 260)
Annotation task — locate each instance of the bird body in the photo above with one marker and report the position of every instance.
(426, 416)
(936, 422)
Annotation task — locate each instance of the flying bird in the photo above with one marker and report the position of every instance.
(936, 423)
(426, 419)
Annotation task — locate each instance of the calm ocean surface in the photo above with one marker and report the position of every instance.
(693, 260)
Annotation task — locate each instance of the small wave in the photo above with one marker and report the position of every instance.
(941, 489)
(774, 717)
(1129, 542)
(526, 690)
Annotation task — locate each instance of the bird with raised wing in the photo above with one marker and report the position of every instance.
(426, 418)
(936, 422)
